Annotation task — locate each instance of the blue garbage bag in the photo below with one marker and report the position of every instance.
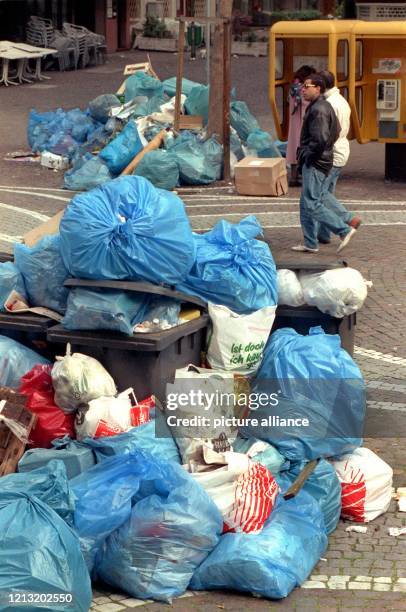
(156, 524)
(44, 272)
(76, 456)
(233, 268)
(10, 280)
(61, 143)
(87, 173)
(314, 378)
(36, 123)
(200, 163)
(127, 229)
(79, 124)
(242, 120)
(282, 146)
(108, 309)
(163, 310)
(15, 361)
(273, 562)
(100, 106)
(39, 553)
(236, 146)
(142, 84)
(120, 151)
(153, 105)
(262, 145)
(322, 484)
(141, 438)
(48, 483)
(169, 86)
(161, 168)
(197, 102)
(267, 456)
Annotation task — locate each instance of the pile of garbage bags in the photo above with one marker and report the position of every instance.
(101, 141)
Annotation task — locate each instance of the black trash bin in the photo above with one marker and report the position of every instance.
(302, 318)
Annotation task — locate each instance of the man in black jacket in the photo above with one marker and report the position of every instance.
(315, 156)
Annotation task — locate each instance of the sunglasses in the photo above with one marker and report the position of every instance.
(307, 85)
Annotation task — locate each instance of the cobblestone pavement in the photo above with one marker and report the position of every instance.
(359, 571)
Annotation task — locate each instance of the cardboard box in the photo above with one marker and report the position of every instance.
(56, 162)
(261, 176)
(45, 229)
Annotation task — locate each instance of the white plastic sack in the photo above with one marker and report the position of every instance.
(290, 291)
(243, 491)
(337, 292)
(106, 416)
(78, 379)
(236, 341)
(366, 485)
(208, 392)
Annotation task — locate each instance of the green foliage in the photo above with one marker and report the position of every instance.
(155, 28)
(305, 15)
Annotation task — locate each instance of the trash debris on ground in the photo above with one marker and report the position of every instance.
(357, 528)
(396, 531)
(401, 498)
(261, 177)
(366, 484)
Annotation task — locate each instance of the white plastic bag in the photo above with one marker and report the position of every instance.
(290, 291)
(78, 379)
(243, 491)
(236, 341)
(338, 292)
(106, 416)
(366, 485)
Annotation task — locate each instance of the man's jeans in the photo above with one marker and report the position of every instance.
(333, 204)
(313, 211)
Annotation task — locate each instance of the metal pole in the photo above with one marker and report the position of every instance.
(226, 98)
(208, 41)
(179, 74)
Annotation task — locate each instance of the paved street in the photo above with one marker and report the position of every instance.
(359, 571)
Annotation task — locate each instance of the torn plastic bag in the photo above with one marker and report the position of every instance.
(127, 229)
(241, 120)
(15, 361)
(290, 290)
(51, 422)
(120, 151)
(142, 84)
(236, 145)
(366, 485)
(105, 416)
(169, 86)
(77, 379)
(337, 292)
(322, 484)
(105, 309)
(261, 144)
(142, 438)
(260, 452)
(76, 457)
(161, 168)
(232, 268)
(39, 553)
(10, 280)
(146, 523)
(197, 102)
(48, 483)
(273, 562)
(309, 377)
(100, 107)
(87, 173)
(44, 272)
(200, 163)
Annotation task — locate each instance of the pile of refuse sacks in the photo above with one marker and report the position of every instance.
(100, 142)
(141, 493)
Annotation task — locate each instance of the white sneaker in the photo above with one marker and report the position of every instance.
(346, 239)
(302, 248)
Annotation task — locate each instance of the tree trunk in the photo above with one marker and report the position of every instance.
(215, 123)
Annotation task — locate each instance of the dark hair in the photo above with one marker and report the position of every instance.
(317, 80)
(328, 78)
(304, 72)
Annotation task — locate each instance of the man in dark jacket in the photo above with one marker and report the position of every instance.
(315, 156)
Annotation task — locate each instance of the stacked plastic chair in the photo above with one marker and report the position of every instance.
(41, 33)
(91, 45)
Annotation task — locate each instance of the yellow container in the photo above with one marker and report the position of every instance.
(368, 60)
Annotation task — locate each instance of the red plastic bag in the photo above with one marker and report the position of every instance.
(52, 422)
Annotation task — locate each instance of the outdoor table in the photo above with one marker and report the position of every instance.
(22, 53)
